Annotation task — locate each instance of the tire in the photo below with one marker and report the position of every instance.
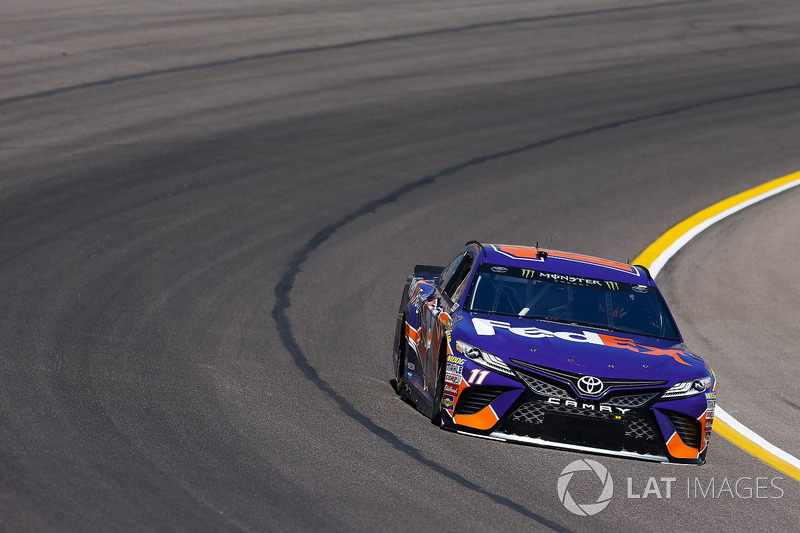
(400, 368)
(436, 417)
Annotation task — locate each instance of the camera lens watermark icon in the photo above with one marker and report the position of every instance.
(585, 509)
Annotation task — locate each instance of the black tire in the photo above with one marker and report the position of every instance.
(436, 417)
(400, 368)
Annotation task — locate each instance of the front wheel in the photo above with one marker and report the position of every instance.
(436, 417)
(400, 368)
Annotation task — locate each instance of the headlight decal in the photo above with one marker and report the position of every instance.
(483, 358)
(686, 389)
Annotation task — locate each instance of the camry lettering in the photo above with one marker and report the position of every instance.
(589, 406)
(487, 327)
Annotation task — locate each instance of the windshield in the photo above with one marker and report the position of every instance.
(541, 295)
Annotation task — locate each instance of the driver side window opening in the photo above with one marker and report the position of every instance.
(459, 282)
(449, 270)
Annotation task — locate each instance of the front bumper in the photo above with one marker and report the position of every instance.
(539, 410)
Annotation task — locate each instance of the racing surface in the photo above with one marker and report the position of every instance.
(208, 209)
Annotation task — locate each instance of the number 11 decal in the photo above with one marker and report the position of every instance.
(477, 376)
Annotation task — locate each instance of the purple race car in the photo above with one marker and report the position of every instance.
(555, 349)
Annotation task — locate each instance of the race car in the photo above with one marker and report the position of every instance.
(552, 348)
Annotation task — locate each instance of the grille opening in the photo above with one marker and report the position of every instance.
(532, 418)
(687, 429)
(543, 388)
(632, 401)
(474, 399)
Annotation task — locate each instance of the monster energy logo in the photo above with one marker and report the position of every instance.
(528, 273)
(612, 285)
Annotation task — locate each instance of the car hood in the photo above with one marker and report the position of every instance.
(579, 349)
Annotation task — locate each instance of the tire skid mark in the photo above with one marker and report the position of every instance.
(286, 283)
(328, 48)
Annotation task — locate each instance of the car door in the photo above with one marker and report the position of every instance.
(438, 311)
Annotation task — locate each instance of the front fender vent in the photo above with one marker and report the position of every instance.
(687, 428)
(473, 399)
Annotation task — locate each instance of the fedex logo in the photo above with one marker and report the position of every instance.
(488, 327)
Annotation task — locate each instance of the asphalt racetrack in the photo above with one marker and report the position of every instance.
(208, 209)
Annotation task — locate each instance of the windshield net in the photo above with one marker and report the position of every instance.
(541, 295)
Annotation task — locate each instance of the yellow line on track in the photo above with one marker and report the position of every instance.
(656, 256)
(754, 448)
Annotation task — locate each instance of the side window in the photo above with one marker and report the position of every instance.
(457, 283)
(449, 270)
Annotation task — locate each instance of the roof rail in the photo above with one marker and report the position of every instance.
(479, 246)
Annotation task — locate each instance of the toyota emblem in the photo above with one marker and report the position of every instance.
(590, 385)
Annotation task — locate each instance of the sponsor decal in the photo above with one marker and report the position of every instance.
(410, 366)
(450, 388)
(612, 285)
(569, 280)
(456, 360)
(711, 396)
(455, 379)
(642, 289)
(710, 407)
(448, 402)
(528, 273)
(499, 269)
(410, 375)
(454, 369)
(488, 327)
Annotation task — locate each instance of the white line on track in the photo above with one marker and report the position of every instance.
(656, 256)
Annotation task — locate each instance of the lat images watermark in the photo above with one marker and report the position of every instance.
(585, 509)
(585, 487)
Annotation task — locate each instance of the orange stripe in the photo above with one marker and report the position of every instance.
(483, 419)
(528, 252)
(678, 449)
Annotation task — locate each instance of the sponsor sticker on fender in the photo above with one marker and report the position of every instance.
(456, 360)
(488, 327)
(454, 369)
(455, 379)
(710, 408)
(451, 389)
(448, 402)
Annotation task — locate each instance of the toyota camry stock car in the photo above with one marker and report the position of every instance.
(554, 349)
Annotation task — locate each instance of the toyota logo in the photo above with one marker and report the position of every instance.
(590, 385)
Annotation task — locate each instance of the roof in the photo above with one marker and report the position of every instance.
(564, 263)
